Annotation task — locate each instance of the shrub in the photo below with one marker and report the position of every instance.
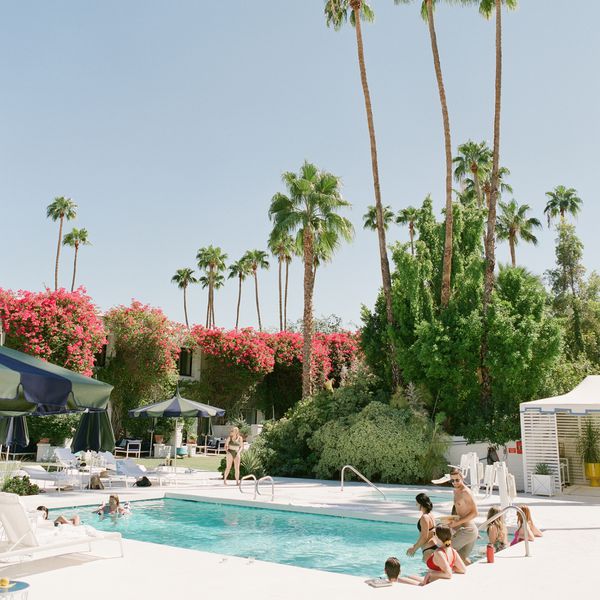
(57, 428)
(21, 486)
(588, 444)
(542, 469)
(384, 443)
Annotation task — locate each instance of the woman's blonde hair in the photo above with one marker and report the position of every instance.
(526, 512)
(234, 432)
(499, 523)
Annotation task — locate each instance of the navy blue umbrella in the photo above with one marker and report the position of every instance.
(177, 407)
(94, 432)
(30, 385)
(13, 431)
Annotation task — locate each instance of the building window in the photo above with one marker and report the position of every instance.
(100, 357)
(185, 362)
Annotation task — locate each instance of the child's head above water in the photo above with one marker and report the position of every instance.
(392, 568)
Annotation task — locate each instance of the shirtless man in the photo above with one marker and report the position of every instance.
(464, 528)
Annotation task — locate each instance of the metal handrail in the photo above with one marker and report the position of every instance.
(523, 521)
(361, 476)
(266, 478)
(251, 476)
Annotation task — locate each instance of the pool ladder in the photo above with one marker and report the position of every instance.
(257, 483)
(357, 472)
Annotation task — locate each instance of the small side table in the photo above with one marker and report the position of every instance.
(18, 591)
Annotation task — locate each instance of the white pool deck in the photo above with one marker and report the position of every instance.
(563, 564)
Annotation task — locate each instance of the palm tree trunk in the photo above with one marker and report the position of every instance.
(257, 302)
(207, 310)
(447, 263)
(411, 233)
(237, 314)
(478, 189)
(383, 257)
(74, 267)
(187, 324)
(212, 307)
(513, 257)
(490, 248)
(287, 272)
(60, 228)
(280, 298)
(307, 321)
(314, 278)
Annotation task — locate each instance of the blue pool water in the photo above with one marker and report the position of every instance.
(408, 497)
(340, 545)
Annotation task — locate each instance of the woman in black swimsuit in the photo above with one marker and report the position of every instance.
(426, 527)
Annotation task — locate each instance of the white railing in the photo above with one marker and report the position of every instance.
(523, 521)
(266, 478)
(248, 477)
(361, 476)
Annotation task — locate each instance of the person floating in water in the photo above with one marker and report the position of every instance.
(113, 507)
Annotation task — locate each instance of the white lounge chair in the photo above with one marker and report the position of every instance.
(59, 479)
(65, 458)
(23, 539)
(129, 469)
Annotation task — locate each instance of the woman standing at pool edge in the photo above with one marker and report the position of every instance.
(425, 525)
(233, 454)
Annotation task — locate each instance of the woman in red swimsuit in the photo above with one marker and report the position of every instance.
(444, 560)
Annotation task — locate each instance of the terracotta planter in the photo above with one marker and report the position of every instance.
(592, 472)
(158, 439)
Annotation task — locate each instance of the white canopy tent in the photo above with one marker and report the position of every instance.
(550, 428)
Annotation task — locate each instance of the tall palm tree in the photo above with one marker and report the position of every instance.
(408, 216)
(74, 239)
(213, 281)
(282, 248)
(513, 224)
(240, 269)
(488, 8)
(338, 12)
(184, 278)
(474, 160)
(427, 12)
(257, 259)
(310, 208)
(61, 208)
(370, 218)
(562, 200)
(211, 259)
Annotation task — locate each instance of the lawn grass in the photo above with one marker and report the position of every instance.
(204, 463)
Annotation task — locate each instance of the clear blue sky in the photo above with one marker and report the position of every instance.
(170, 123)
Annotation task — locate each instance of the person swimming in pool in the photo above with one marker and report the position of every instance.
(113, 508)
(60, 520)
(233, 453)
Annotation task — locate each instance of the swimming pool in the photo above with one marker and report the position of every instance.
(336, 544)
(408, 497)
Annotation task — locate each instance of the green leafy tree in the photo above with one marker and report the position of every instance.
(408, 216)
(257, 259)
(370, 218)
(513, 224)
(240, 269)
(211, 259)
(566, 282)
(310, 208)
(562, 201)
(74, 239)
(438, 350)
(61, 208)
(184, 278)
(283, 249)
(337, 13)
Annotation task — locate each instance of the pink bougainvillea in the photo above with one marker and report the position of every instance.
(342, 350)
(146, 336)
(242, 347)
(61, 327)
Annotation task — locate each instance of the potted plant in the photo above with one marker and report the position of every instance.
(588, 447)
(542, 480)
